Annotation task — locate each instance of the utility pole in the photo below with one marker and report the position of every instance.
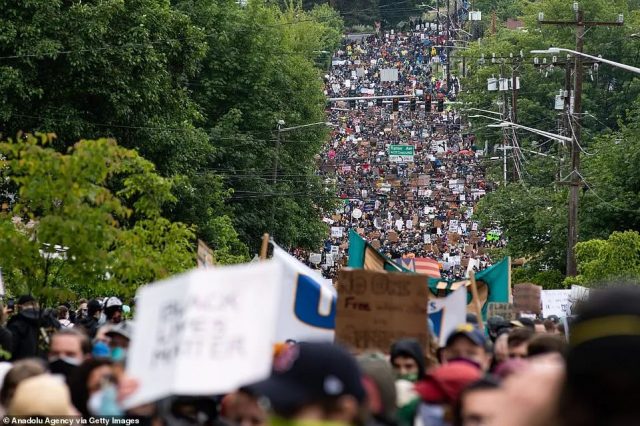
(514, 94)
(575, 125)
(448, 48)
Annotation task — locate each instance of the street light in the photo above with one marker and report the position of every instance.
(281, 129)
(596, 58)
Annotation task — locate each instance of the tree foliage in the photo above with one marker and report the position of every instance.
(601, 261)
(533, 209)
(196, 87)
(67, 232)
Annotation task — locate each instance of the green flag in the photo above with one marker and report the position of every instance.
(363, 256)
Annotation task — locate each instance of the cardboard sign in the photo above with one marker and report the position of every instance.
(526, 298)
(375, 309)
(392, 236)
(556, 302)
(204, 255)
(204, 324)
(505, 310)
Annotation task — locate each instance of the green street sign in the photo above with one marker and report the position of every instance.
(401, 153)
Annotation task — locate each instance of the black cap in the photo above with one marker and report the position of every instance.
(26, 298)
(306, 373)
(93, 306)
(471, 332)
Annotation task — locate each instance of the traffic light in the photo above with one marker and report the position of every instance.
(352, 103)
(396, 104)
(412, 104)
(379, 102)
(440, 105)
(427, 102)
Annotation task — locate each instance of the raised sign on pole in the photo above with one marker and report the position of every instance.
(401, 153)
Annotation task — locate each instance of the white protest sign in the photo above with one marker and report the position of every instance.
(329, 260)
(578, 294)
(217, 322)
(556, 302)
(356, 214)
(336, 232)
(315, 258)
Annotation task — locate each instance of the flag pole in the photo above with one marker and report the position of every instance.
(264, 247)
(476, 299)
(510, 300)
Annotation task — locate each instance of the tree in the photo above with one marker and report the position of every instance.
(601, 261)
(536, 225)
(261, 68)
(120, 69)
(65, 233)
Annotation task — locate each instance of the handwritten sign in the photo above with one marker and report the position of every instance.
(505, 310)
(376, 309)
(204, 255)
(526, 298)
(556, 302)
(206, 323)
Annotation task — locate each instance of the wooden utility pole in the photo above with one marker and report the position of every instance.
(575, 127)
(448, 48)
(514, 92)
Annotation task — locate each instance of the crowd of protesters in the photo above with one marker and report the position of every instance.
(70, 361)
(524, 372)
(419, 207)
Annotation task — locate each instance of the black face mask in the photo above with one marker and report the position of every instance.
(63, 367)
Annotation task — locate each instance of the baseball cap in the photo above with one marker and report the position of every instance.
(124, 329)
(469, 331)
(309, 372)
(94, 306)
(112, 301)
(445, 383)
(26, 298)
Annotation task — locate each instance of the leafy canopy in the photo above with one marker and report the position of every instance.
(66, 232)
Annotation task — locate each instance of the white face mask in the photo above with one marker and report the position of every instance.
(69, 360)
(94, 403)
(104, 402)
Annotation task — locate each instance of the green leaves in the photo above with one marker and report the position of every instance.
(616, 258)
(67, 230)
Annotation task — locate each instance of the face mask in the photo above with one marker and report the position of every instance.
(411, 377)
(64, 366)
(104, 403)
(119, 354)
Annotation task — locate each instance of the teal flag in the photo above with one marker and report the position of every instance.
(363, 256)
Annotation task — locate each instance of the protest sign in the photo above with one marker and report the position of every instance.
(375, 309)
(556, 302)
(578, 295)
(204, 255)
(336, 232)
(315, 258)
(206, 323)
(389, 74)
(446, 313)
(526, 298)
(505, 310)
